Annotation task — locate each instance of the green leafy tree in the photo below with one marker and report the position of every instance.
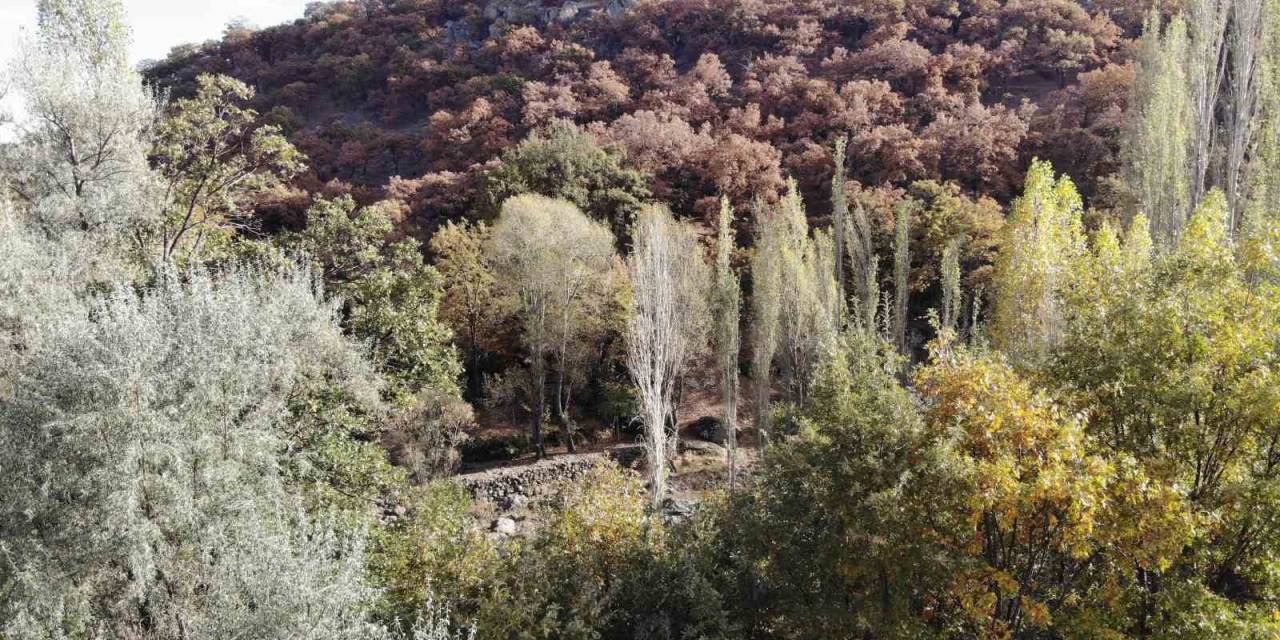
(212, 156)
(1157, 134)
(810, 304)
(860, 243)
(830, 534)
(1037, 495)
(839, 212)
(566, 163)
(1206, 66)
(472, 305)
(392, 297)
(1170, 355)
(795, 302)
(901, 272)
(1262, 182)
(1246, 50)
(766, 301)
(552, 261)
(727, 304)
(603, 565)
(952, 297)
(1043, 241)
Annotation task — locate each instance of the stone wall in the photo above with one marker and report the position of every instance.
(501, 486)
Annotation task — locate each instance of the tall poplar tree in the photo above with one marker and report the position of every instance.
(728, 302)
(766, 300)
(901, 272)
(1043, 239)
(1206, 66)
(668, 324)
(839, 213)
(1157, 136)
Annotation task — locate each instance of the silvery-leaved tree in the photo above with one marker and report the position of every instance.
(37, 279)
(81, 163)
(669, 322)
(142, 437)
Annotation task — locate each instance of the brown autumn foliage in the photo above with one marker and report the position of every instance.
(414, 99)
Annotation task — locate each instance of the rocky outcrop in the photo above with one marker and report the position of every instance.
(539, 13)
(533, 11)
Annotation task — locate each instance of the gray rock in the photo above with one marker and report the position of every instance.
(500, 485)
(678, 510)
(703, 448)
(504, 526)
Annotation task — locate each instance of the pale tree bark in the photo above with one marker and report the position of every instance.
(1206, 68)
(666, 327)
(1245, 45)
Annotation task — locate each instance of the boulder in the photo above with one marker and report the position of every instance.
(696, 447)
(678, 510)
(504, 526)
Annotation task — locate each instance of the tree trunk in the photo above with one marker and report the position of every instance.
(761, 384)
(565, 402)
(539, 405)
(474, 386)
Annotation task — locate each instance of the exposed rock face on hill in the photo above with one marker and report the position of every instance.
(505, 15)
(536, 12)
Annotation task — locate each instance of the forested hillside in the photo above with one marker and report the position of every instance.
(704, 97)
(619, 319)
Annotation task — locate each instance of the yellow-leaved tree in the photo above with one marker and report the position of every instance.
(1043, 240)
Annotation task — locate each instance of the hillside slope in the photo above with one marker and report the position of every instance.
(708, 96)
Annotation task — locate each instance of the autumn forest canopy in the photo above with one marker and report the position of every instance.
(617, 319)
